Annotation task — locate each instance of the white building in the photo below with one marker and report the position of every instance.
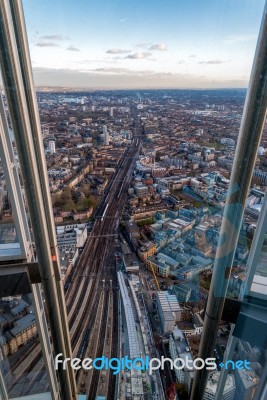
(211, 387)
(71, 235)
(70, 238)
(169, 310)
(52, 146)
(179, 348)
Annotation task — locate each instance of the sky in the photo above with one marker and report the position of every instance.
(128, 44)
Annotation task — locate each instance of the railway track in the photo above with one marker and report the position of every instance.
(110, 393)
(99, 350)
(84, 289)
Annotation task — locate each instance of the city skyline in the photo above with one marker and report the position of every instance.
(134, 46)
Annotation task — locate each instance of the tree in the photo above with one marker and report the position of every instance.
(57, 200)
(83, 204)
(66, 195)
(86, 190)
(68, 205)
(93, 202)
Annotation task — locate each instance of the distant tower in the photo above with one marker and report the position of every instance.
(52, 146)
(105, 131)
(111, 112)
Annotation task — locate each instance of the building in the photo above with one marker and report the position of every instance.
(146, 250)
(70, 239)
(179, 348)
(52, 146)
(106, 135)
(24, 330)
(71, 235)
(133, 342)
(211, 387)
(162, 264)
(246, 383)
(169, 310)
(182, 292)
(132, 229)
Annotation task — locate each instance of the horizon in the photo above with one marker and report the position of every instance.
(80, 89)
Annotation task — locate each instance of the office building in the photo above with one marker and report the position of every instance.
(179, 348)
(169, 310)
(246, 382)
(211, 387)
(106, 135)
(52, 146)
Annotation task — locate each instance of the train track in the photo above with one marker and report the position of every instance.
(86, 286)
(110, 393)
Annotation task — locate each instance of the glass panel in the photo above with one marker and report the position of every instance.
(14, 231)
(22, 365)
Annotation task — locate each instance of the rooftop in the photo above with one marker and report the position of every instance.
(22, 324)
(213, 380)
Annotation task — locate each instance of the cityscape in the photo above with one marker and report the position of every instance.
(138, 183)
(131, 184)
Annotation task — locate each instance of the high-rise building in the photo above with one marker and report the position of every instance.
(179, 349)
(106, 137)
(211, 387)
(246, 382)
(52, 146)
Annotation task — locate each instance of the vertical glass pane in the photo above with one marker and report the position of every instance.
(22, 365)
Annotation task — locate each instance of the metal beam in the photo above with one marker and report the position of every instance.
(18, 108)
(30, 96)
(248, 141)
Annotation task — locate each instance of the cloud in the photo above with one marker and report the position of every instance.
(212, 62)
(54, 37)
(110, 70)
(158, 47)
(139, 55)
(123, 20)
(181, 62)
(117, 51)
(73, 48)
(240, 38)
(47, 44)
(192, 56)
(119, 71)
